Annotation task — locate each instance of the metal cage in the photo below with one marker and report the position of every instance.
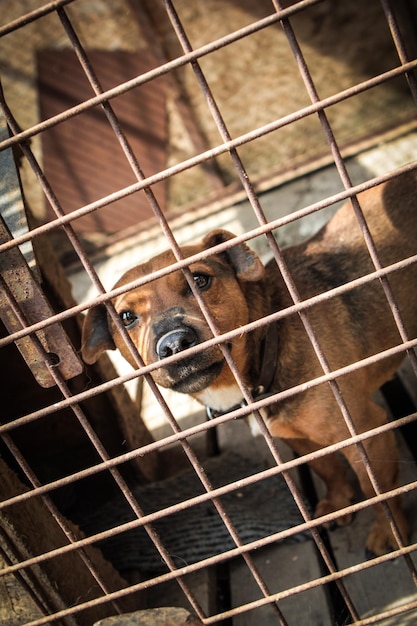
(75, 445)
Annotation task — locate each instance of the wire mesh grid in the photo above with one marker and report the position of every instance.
(27, 326)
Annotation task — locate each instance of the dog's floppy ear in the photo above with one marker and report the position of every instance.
(245, 261)
(96, 337)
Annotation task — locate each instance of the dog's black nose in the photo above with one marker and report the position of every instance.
(175, 341)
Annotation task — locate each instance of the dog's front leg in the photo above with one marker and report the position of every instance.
(332, 470)
(383, 457)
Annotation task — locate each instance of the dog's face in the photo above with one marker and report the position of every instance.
(163, 317)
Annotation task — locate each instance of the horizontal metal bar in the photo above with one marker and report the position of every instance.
(400, 348)
(317, 582)
(256, 232)
(183, 571)
(210, 496)
(194, 430)
(32, 16)
(159, 71)
(214, 152)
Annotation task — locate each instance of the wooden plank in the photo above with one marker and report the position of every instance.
(16, 604)
(28, 529)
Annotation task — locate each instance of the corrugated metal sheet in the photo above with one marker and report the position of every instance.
(82, 157)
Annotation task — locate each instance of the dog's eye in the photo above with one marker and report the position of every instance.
(128, 318)
(203, 281)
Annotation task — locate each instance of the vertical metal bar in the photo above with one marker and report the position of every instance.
(399, 44)
(114, 472)
(49, 362)
(344, 175)
(58, 380)
(187, 448)
(244, 178)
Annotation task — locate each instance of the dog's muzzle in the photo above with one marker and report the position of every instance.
(176, 341)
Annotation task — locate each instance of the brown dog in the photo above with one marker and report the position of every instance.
(163, 318)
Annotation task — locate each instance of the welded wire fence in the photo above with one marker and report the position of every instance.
(32, 333)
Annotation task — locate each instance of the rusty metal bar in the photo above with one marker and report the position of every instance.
(202, 427)
(321, 581)
(76, 243)
(371, 501)
(105, 296)
(60, 520)
(400, 610)
(340, 96)
(164, 225)
(209, 496)
(72, 236)
(75, 408)
(236, 551)
(181, 35)
(159, 71)
(347, 183)
(55, 375)
(130, 498)
(365, 503)
(30, 475)
(70, 401)
(208, 154)
(246, 184)
(150, 518)
(209, 317)
(64, 389)
(112, 118)
(399, 44)
(34, 15)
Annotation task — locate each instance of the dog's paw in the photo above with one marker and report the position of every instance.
(327, 505)
(381, 540)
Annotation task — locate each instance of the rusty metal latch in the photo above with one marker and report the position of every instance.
(20, 288)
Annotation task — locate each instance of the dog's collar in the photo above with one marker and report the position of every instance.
(257, 394)
(266, 375)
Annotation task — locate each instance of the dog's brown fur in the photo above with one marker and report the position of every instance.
(349, 328)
